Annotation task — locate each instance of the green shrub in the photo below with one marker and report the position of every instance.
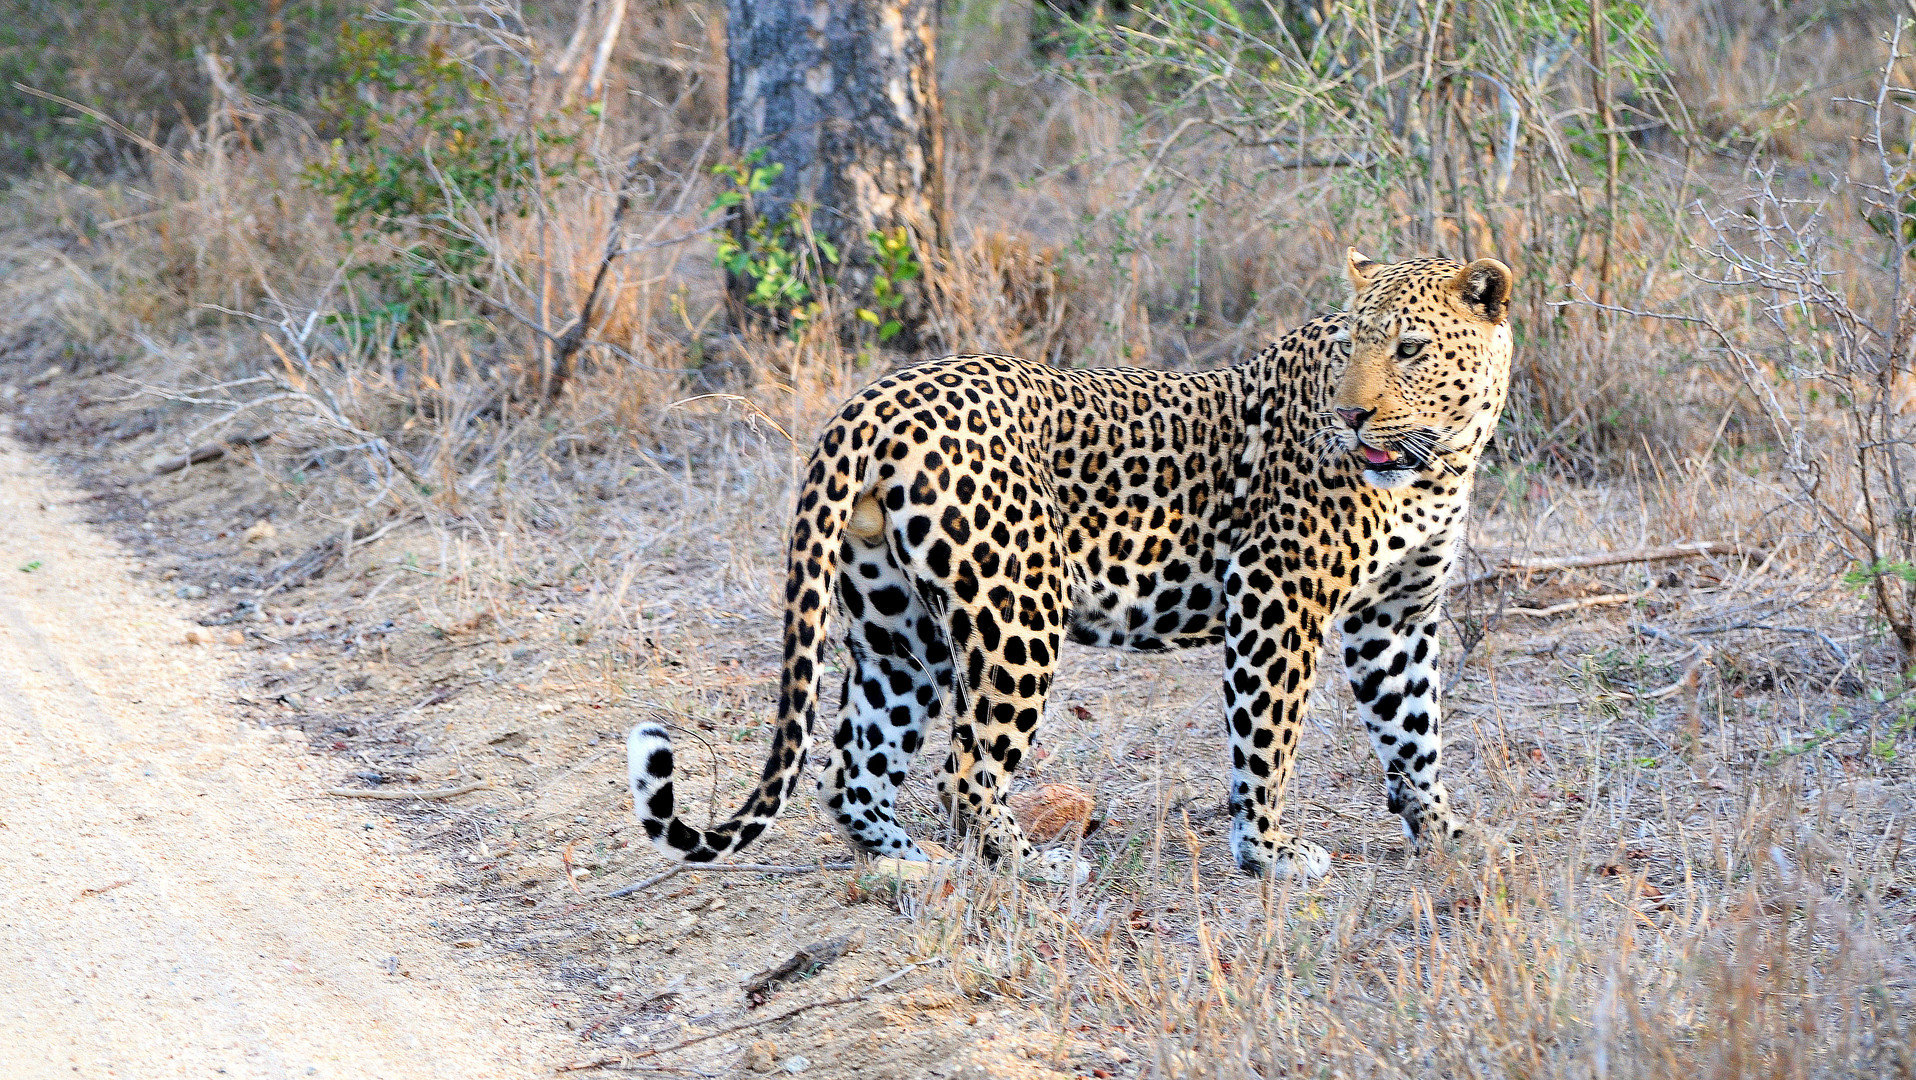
(778, 266)
(428, 162)
(775, 265)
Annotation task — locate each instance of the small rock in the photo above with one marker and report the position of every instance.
(1053, 812)
(260, 532)
(197, 636)
(46, 376)
(190, 592)
(762, 1056)
(796, 1064)
(234, 637)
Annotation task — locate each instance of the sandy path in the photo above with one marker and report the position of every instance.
(173, 899)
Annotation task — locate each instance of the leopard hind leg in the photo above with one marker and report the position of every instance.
(900, 670)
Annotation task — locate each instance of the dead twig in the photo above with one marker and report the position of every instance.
(323, 555)
(595, 82)
(865, 995)
(725, 868)
(904, 971)
(1687, 680)
(1841, 654)
(567, 342)
(435, 793)
(102, 889)
(1577, 605)
(210, 452)
(803, 964)
(1692, 550)
(565, 859)
(605, 1062)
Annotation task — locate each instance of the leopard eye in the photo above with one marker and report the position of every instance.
(1408, 349)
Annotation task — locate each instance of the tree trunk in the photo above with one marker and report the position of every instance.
(844, 95)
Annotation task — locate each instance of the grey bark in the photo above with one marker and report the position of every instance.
(844, 94)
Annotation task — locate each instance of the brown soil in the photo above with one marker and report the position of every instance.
(178, 898)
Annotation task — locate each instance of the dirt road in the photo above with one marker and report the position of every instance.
(176, 898)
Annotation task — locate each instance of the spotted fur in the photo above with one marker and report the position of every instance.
(967, 514)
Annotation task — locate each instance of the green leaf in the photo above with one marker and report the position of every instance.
(1865, 574)
(763, 176)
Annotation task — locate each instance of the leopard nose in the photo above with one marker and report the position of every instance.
(1355, 417)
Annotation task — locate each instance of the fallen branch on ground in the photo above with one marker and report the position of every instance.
(607, 1062)
(202, 454)
(327, 552)
(1694, 550)
(804, 964)
(1686, 681)
(1576, 605)
(436, 793)
(1841, 654)
(726, 868)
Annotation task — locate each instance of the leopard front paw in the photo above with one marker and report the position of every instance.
(1428, 829)
(1291, 857)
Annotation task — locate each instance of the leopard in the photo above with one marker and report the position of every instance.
(965, 516)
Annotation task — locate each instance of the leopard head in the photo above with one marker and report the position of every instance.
(1428, 367)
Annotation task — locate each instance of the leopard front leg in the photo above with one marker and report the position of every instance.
(1270, 657)
(1390, 657)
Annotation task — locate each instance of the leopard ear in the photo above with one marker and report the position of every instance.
(1361, 270)
(1484, 288)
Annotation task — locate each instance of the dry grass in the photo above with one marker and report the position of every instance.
(468, 579)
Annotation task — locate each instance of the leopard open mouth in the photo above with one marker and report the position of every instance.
(1383, 461)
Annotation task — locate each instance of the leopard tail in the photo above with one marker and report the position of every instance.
(825, 509)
